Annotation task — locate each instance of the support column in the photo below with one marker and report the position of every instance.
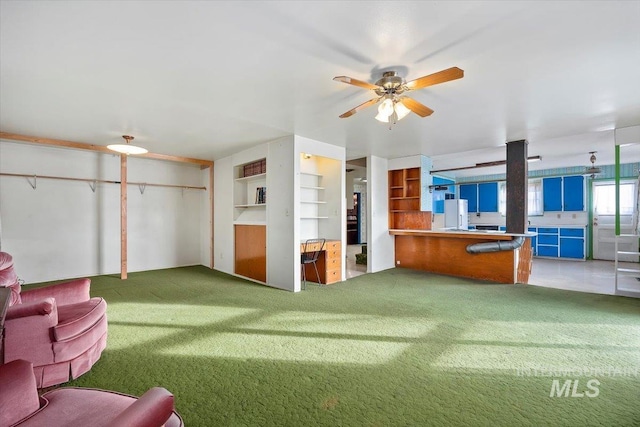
(123, 216)
(517, 186)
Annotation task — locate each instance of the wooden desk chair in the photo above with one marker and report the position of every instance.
(310, 253)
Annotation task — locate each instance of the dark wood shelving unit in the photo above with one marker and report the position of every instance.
(404, 201)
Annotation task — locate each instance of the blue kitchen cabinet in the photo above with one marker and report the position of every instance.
(547, 242)
(439, 196)
(573, 193)
(572, 243)
(552, 194)
(470, 192)
(488, 197)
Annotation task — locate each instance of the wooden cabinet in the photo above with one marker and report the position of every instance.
(251, 251)
(405, 201)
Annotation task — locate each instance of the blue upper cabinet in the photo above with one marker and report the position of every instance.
(573, 195)
(488, 197)
(470, 192)
(552, 194)
(439, 196)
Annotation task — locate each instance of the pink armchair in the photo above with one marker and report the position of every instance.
(59, 328)
(80, 407)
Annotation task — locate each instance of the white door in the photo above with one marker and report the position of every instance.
(604, 209)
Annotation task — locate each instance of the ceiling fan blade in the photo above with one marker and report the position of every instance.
(360, 107)
(418, 108)
(355, 82)
(452, 73)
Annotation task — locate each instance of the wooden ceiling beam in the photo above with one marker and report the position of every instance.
(99, 148)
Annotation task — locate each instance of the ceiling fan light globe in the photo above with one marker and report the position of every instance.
(401, 110)
(386, 108)
(384, 118)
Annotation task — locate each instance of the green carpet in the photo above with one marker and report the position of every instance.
(396, 348)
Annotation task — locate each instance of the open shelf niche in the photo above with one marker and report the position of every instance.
(320, 197)
(249, 193)
(409, 197)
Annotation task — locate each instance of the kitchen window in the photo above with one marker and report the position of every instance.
(534, 202)
(604, 198)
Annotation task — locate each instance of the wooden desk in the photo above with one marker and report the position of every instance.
(329, 263)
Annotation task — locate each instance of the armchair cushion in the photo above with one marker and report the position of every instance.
(18, 393)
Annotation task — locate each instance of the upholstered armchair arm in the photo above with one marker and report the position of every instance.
(152, 409)
(44, 307)
(64, 293)
(27, 331)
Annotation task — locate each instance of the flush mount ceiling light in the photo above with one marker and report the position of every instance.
(127, 148)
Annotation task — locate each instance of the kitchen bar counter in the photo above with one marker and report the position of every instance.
(444, 252)
(461, 234)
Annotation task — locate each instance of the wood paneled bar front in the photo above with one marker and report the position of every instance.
(444, 252)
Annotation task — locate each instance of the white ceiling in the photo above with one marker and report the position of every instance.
(206, 79)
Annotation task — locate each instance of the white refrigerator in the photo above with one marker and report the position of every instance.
(456, 214)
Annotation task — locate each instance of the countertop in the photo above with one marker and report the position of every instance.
(461, 234)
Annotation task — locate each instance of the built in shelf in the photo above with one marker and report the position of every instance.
(251, 177)
(311, 188)
(253, 205)
(250, 223)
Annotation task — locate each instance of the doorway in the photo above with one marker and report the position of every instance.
(356, 226)
(603, 224)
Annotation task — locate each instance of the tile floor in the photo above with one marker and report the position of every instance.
(585, 276)
(354, 269)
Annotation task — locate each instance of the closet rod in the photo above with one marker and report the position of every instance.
(64, 178)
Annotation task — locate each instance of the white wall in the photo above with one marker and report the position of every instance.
(223, 240)
(380, 244)
(63, 229)
(281, 243)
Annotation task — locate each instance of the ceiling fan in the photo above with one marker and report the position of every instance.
(592, 170)
(390, 89)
